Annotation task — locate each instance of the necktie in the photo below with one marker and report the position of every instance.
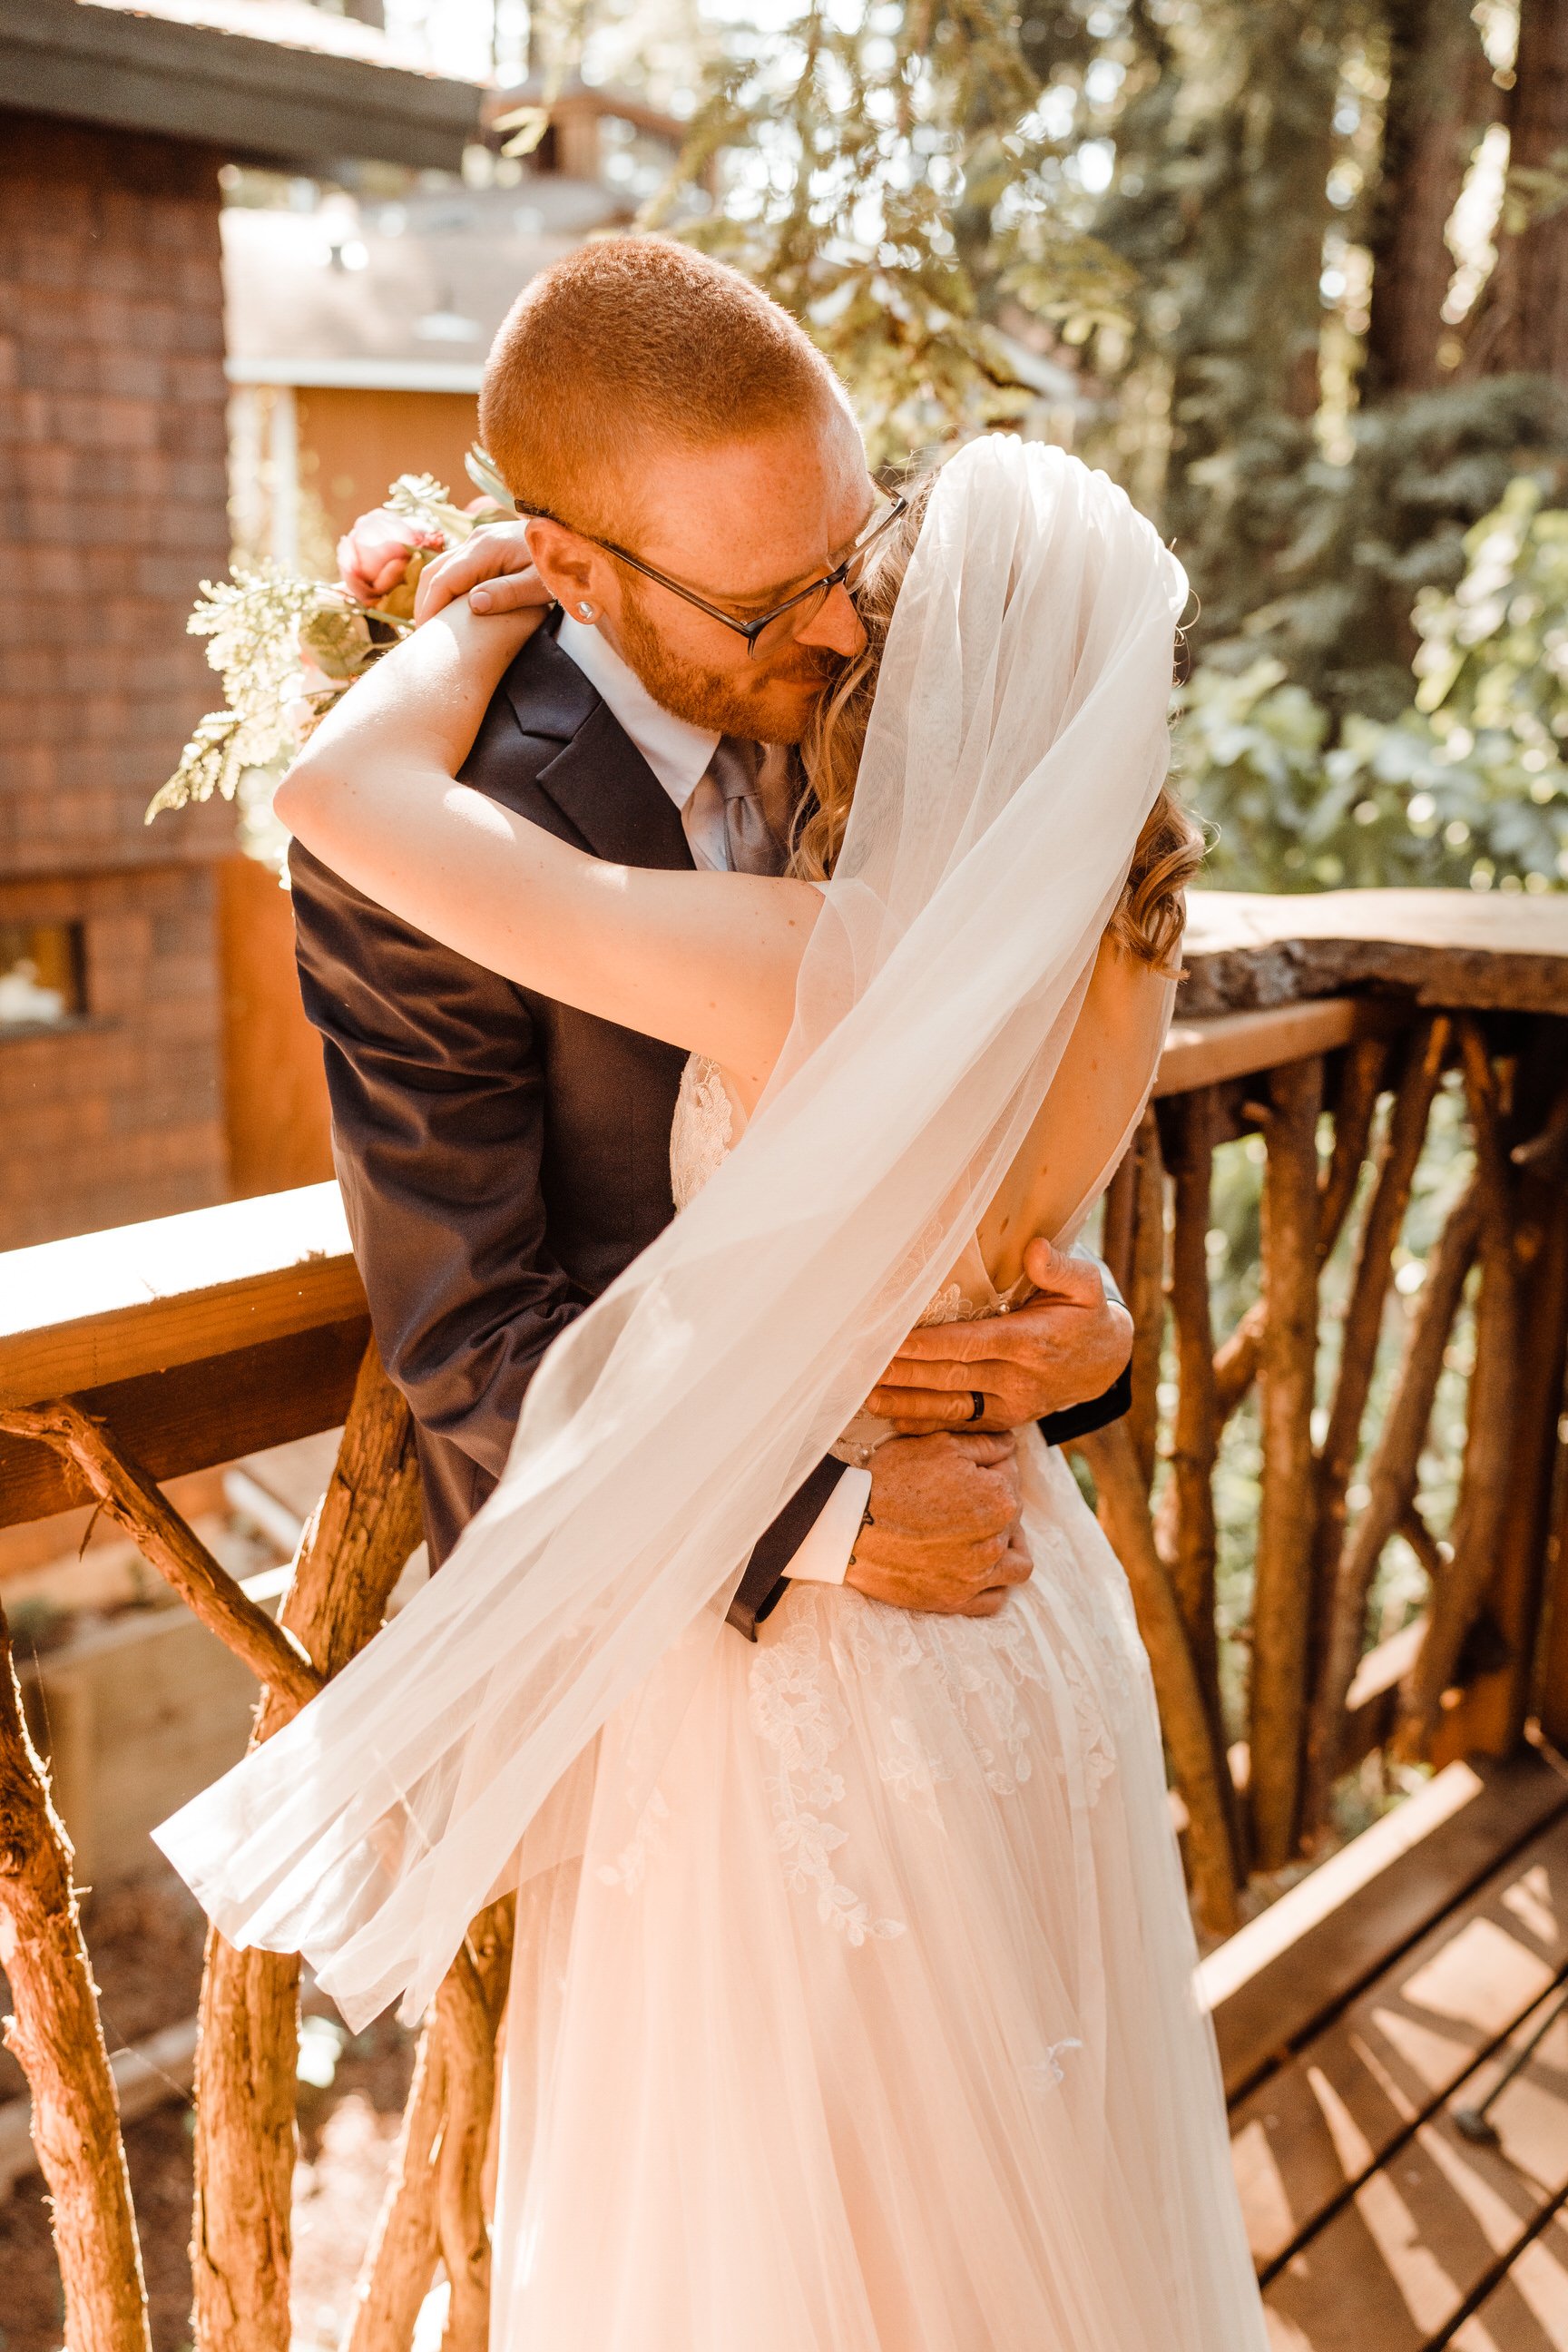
(727, 826)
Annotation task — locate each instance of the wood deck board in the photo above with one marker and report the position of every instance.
(1399, 2050)
(1439, 2241)
(1291, 1970)
(1528, 2311)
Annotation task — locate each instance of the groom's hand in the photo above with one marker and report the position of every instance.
(1069, 1345)
(941, 1531)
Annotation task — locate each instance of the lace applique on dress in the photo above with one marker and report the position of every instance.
(979, 1663)
(1050, 2069)
(1097, 1756)
(630, 1866)
(703, 1128)
(795, 1710)
(951, 1306)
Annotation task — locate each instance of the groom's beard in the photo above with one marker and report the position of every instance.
(770, 702)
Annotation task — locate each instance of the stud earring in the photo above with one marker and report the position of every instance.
(586, 611)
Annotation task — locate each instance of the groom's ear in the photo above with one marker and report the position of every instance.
(570, 567)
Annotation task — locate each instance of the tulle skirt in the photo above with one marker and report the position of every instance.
(879, 2034)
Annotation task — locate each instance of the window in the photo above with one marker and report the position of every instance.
(41, 967)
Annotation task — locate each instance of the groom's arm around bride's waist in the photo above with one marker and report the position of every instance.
(473, 1260)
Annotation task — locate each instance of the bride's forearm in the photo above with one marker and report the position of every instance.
(415, 714)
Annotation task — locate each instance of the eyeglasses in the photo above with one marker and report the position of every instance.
(786, 620)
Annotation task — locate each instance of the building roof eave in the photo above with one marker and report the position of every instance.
(134, 72)
(369, 374)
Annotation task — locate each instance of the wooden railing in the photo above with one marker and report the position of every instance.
(1329, 1028)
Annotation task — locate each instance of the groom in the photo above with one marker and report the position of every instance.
(699, 486)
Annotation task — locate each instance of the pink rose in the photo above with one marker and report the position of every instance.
(373, 552)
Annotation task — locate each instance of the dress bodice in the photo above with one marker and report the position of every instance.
(705, 1131)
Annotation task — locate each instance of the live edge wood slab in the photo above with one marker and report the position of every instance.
(1463, 950)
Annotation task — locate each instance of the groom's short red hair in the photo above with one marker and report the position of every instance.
(627, 343)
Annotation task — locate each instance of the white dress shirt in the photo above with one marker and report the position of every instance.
(679, 754)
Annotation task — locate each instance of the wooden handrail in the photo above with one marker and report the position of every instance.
(1242, 1045)
(134, 1299)
(138, 1300)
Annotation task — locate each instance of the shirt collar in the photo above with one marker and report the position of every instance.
(678, 752)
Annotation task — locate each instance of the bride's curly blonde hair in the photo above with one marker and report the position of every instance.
(1151, 911)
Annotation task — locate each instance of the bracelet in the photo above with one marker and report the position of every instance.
(866, 1521)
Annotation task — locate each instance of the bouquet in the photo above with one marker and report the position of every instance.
(286, 647)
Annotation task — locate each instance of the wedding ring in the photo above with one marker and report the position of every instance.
(976, 1405)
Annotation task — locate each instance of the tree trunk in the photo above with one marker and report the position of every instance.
(57, 2040)
(1440, 96)
(349, 1560)
(1530, 285)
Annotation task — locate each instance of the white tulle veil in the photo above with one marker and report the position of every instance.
(1016, 744)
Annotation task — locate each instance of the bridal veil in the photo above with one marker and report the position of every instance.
(1017, 742)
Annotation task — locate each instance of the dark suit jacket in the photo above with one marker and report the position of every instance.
(502, 1157)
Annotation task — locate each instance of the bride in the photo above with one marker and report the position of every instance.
(852, 2006)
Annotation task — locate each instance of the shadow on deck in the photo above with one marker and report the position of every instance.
(1358, 2020)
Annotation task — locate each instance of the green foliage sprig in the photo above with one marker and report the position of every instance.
(288, 647)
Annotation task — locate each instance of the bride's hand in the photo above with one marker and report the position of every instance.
(493, 569)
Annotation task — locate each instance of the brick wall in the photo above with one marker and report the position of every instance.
(119, 1116)
(113, 507)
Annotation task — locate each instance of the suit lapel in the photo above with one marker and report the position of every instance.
(598, 780)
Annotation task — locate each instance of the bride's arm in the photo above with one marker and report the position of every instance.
(1100, 1085)
(706, 961)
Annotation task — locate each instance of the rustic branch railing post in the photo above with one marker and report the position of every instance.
(1366, 1060)
(1147, 1296)
(1123, 1494)
(1484, 1483)
(1391, 1488)
(56, 2036)
(125, 1492)
(1195, 1435)
(1414, 1092)
(433, 2209)
(469, 2009)
(1281, 1605)
(1489, 1715)
(348, 1558)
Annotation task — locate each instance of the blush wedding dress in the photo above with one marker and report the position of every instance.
(852, 2005)
(879, 2034)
